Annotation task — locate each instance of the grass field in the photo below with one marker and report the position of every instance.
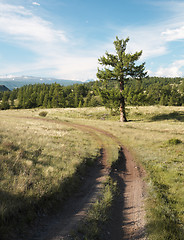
(40, 165)
(35, 151)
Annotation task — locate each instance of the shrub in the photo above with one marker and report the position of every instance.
(43, 114)
(174, 141)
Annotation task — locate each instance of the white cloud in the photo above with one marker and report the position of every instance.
(173, 70)
(153, 39)
(58, 57)
(79, 68)
(35, 3)
(174, 34)
(68, 67)
(7, 76)
(148, 39)
(21, 24)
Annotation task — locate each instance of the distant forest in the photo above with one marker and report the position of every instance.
(149, 91)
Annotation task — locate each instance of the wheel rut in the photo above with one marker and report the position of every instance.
(127, 220)
(59, 225)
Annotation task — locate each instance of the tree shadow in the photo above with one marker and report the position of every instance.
(11, 206)
(177, 116)
(115, 230)
(34, 219)
(120, 164)
(118, 216)
(23, 216)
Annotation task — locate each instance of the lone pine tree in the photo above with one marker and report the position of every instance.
(120, 68)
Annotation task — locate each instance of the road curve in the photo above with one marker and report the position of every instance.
(128, 213)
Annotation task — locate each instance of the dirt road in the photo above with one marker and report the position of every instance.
(127, 221)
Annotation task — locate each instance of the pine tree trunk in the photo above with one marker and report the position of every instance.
(122, 104)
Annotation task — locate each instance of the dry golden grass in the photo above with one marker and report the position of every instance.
(147, 135)
(39, 164)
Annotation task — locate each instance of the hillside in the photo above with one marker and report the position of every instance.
(149, 91)
(17, 82)
(3, 88)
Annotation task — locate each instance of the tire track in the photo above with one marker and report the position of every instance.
(127, 220)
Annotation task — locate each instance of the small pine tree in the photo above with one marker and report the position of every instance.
(121, 68)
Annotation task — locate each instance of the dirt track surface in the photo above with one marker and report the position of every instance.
(58, 225)
(127, 221)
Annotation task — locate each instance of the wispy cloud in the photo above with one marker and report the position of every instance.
(53, 48)
(154, 39)
(22, 24)
(61, 54)
(174, 34)
(35, 3)
(174, 27)
(173, 70)
(148, 38)
(67, 67)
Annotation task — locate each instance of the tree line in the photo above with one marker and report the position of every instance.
(50, 96)
(148, 91)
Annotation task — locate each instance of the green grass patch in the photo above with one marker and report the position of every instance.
(99, 214)
(174, 141)
(164, 221)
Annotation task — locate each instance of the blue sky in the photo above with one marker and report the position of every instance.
(65, 38)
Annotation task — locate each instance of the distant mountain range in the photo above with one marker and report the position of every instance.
(17, 82)
(3, 88)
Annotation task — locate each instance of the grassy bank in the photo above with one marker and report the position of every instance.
(40, 166)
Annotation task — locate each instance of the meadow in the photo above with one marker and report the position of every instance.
(40, 164)
(37, 154)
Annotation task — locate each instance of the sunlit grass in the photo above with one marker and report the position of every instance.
(40, 165)
(148, 135)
